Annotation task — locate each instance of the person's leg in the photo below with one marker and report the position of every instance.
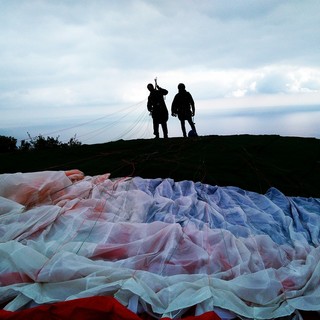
(164, 129)
(193, 127)
(156, 128)
(183, 128)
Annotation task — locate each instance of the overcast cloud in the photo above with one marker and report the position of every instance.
(63, 63)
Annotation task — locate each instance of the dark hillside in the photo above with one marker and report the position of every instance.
(255, 163)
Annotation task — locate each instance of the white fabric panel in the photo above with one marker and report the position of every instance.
(157, 244)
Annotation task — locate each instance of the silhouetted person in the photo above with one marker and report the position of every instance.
(183, 106)
(158, 109)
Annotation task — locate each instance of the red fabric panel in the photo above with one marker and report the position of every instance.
(93, 308)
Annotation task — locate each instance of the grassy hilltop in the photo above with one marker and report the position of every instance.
(254, 163)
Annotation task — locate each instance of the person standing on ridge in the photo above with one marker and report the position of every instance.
(183, 106)
(158, 109)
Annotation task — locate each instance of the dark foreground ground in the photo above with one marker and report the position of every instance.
(255, 163)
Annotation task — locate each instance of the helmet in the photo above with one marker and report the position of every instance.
(181, 86)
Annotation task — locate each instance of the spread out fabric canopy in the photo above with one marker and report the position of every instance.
(156, 246)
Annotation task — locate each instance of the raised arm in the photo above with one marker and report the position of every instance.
(164, 92)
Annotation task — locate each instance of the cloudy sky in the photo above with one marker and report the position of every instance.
(80, 67)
